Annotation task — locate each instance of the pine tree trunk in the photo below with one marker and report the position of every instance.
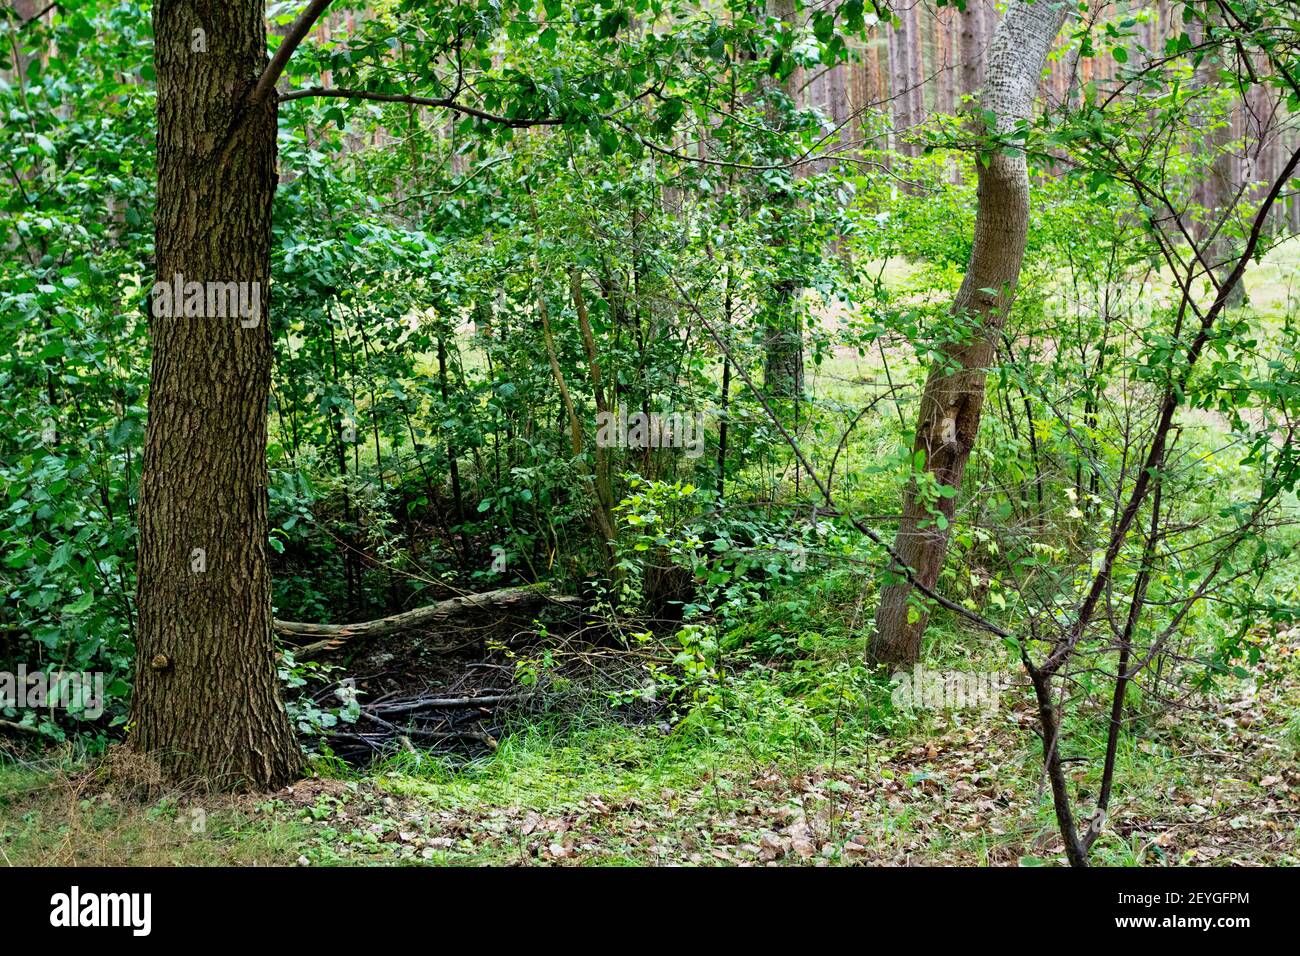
(906, 66)
(206, 704)
(869, 92)
(915, 62)
(945, 60)
(954, 391)
(972, 47)
(899, 100)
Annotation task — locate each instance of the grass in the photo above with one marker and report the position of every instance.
(1271, 284)
(66, 816)
(788, 777)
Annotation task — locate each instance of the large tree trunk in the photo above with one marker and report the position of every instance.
(206, 703)
(954, 391)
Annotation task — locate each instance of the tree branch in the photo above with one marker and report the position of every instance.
(449, 103)
(1172, 401)
(271, 75)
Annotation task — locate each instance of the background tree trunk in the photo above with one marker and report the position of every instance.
(914, 59)
(865, 90)
(945, 59)
(206, 704)
(972, 46)
(783, 333)
(954, 391)
(904, 71)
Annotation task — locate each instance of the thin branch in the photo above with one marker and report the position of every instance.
(436, 102)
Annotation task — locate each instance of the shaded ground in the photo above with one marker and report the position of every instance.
(1220, 787)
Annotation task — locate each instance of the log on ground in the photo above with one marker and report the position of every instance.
(333, 636)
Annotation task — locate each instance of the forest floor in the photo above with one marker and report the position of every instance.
(1214, 784)
(1219, 785)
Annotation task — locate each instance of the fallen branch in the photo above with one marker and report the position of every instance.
(428, 721)
(334, 636)
(435, 703)
(379, 743)
(16, 727)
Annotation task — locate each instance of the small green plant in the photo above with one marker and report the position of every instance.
(308, 714)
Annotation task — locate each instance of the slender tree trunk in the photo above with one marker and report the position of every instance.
(606, 520)
(838, 95)
(954, 391)
(601, 518)
(453, 458)
(875, 80)
(945, 60)
(914, 61)
(946, 49)
(206, 705)
(783, 333)
(1217, 184)
(865, 90)
(902, 98)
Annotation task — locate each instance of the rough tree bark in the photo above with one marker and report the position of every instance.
(206, 704)
(954, 391)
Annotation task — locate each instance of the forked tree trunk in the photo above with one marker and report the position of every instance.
(954, 391)
(206, 704)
